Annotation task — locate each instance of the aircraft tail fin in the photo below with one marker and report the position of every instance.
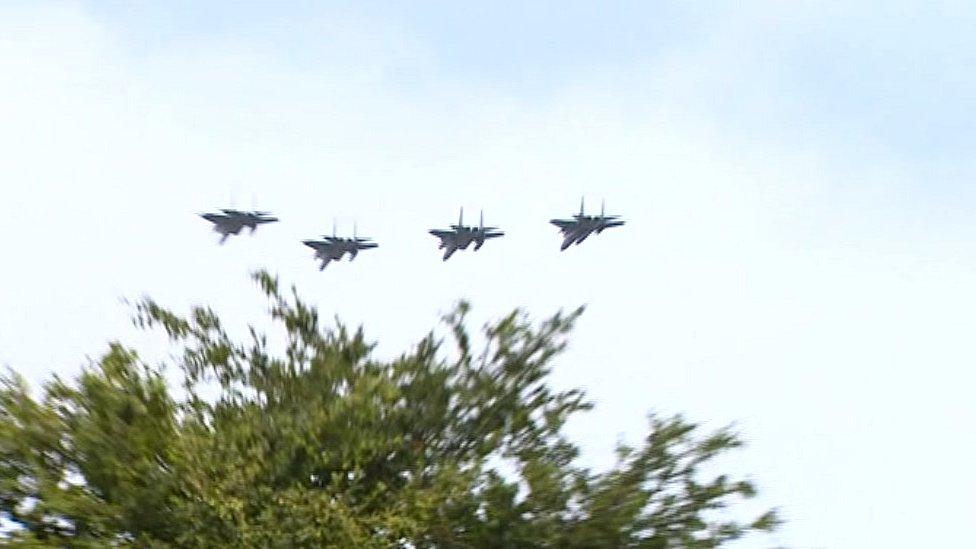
(581, 206)
(461, 217)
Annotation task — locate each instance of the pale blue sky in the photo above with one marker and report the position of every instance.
(897, 70)
(797, 178)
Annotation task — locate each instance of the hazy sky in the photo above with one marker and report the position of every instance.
(797, 179)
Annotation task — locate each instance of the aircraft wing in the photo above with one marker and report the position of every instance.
(326, 251)
(449, 252)
(583, 233)
(567, 241)
(228, 226)
(574, 235)
(565, 225)
(446, 237)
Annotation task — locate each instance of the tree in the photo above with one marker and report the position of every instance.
(320, 444)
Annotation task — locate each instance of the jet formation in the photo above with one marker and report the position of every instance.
(333, 248)
(458, 237)
(576, 230)
(230, 222)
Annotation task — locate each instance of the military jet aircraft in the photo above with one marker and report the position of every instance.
(461, 236)
(577, 230)
(230, 221)
(333, 248)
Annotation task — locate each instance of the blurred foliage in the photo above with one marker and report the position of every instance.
(322, 445)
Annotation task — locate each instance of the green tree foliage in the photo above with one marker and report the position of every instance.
(320, 444)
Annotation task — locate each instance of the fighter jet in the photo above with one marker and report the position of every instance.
(333, 248)
(461, 236)
(577, 230)
(230, 222)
